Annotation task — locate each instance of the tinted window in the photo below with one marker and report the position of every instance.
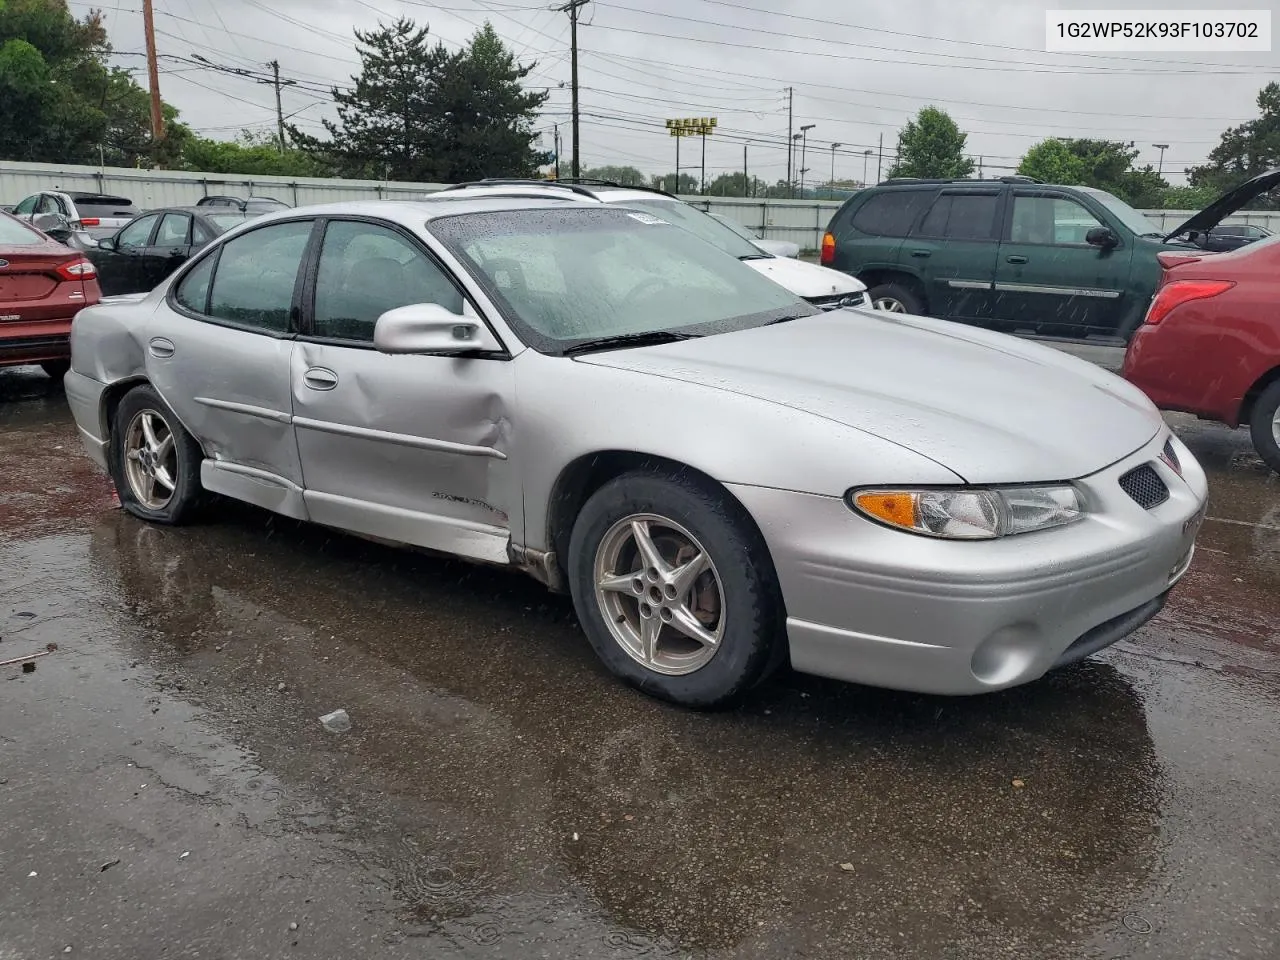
(173, 230)
(961, 216)
(253, 285)
(106, 207)
(891, 214)
(224, 220)
(137, 233)
(27, 206)
(193, 289)
(366, 270)
(1054, 220)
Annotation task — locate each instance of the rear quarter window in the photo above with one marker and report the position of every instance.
(891, 214)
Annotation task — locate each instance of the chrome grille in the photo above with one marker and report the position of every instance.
(837, 300)
(1145, 487)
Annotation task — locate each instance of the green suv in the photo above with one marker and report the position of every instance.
(1011, 254)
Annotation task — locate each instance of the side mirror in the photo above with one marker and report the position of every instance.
(1101, 237)
(107, 243)
(430, 328)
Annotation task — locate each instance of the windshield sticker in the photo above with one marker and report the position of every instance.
(648, 218)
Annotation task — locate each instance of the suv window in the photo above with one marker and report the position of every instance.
(366, 270)
(961, 216)
(136, 234)
(891, 214)
(255, 276)
(1050, 220)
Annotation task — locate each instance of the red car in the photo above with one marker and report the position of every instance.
(1211, 341)
(42, 286)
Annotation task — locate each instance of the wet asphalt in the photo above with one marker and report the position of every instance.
(166, 789)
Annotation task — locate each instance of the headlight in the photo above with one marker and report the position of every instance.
(965, 514)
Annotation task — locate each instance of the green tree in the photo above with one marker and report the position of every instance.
(1051, 161)
(932, 145)
(627, 176)
(251, 153)
(1187, 198)
(61, 103)
(417, 112)
(1245, 151)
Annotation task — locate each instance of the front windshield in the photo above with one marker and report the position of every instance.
(575, 274)
(1130, 217)
(736, 227)
(699, 224)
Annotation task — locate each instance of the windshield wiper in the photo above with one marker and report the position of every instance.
(786, 319)
(646, 339)
(756, 256)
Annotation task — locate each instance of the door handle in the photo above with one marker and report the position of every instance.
(177, 252)
(1015, 259)
(921, 253)
(320, 378)
(161, 348)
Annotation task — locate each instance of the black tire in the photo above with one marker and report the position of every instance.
(753, 641)
(901, 293)
(56, 369)
(1262, 426)
(188, 496)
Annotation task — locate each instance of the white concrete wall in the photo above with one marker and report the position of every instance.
(800, 221)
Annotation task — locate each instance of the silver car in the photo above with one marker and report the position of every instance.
(723, 476)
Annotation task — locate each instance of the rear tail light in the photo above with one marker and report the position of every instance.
(1177, 292)
(80, 269)
(828, 249)
(89, 221)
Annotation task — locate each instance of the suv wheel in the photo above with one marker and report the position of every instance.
(896, 298)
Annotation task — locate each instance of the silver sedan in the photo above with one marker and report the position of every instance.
(723, 477)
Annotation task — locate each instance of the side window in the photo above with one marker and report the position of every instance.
(193, 289)
(1050, 220)
(253, 285)
(27, 206)
(961, 216)
(200, 233)
(173, 231)
(136, 234)
(46, 204)
(366, 270)
(891, 214)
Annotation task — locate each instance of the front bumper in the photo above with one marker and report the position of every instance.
(878, 606)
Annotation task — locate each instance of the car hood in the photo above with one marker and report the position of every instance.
(991, 408)
(806, 280)
(779, 248)
(1227, 204)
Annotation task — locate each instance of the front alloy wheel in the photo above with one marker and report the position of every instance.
(659, 594)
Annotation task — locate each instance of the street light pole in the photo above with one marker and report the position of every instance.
(804, 143)
(866, 156)
(1162, 147)
(791, 149)
(831, 184)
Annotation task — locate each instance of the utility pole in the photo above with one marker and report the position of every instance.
(1162, 147)
(746, 181)
(866, 157)
(153, 72)
(572, 8)
(556, 128)
(879, 158)
(791, 93)
(275, 70)
(791, 149)
(704, 161)
(979, 166)
(804, 143)
(831, 184)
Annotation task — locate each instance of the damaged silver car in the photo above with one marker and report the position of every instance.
(724, 477)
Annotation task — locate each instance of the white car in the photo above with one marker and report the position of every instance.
(779, 248)
(824, 288)
(96, 214)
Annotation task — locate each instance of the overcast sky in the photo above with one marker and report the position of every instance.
(859, 71)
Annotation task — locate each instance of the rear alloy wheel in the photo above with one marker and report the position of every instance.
(155, 463)
(896, 298)
(56, 369)
(675, 590)
(1264, 426)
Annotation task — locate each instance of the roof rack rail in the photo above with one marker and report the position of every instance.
(576, 184)
(594, 181)
(1015, 178)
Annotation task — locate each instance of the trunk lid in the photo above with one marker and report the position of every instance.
(28, 273)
